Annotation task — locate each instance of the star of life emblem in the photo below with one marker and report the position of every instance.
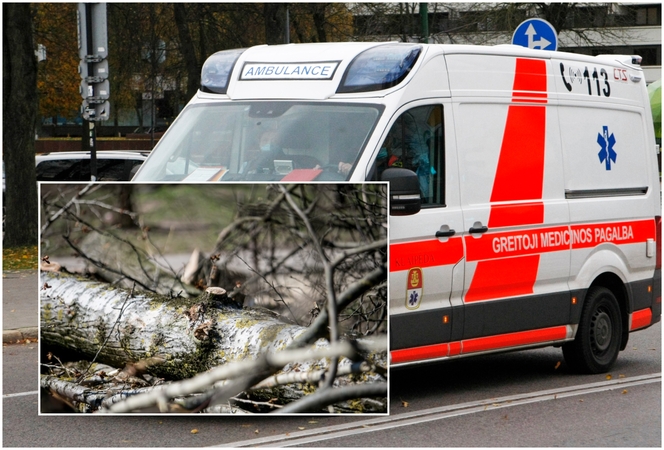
(414, 288)
(606, 142)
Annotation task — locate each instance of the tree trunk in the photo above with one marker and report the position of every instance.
(193, 67)
(19, 107)
(181, 338)
(274, 15)
(191, 335)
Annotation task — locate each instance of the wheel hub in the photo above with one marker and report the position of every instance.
(601, 331)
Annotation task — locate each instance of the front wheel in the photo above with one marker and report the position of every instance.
(597, 343)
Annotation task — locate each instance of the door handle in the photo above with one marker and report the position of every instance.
(446, 233)
(478, 229)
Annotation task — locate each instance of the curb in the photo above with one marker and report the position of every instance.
(15, 336)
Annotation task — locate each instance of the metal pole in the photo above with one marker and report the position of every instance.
(287, 37)
(424, 21)
(92, 134)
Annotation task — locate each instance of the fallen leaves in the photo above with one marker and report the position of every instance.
(20, 258)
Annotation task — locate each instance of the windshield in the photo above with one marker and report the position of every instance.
(271, 141)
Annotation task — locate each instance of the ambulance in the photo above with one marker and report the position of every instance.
(525, 202)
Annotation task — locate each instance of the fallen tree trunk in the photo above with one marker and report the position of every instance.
(178, 338)
(190, 335)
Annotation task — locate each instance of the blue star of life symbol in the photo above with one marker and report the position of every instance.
(606, 141)
(412, 301)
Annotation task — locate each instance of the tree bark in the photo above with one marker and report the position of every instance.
(190, 335)
(274, 15)
(19, 107)
(182, 338)
(193, 66)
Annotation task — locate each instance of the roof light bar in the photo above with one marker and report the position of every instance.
(379, 68)
(217, 70)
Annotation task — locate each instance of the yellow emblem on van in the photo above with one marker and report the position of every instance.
(414, 288)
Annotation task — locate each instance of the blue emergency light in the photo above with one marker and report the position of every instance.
(217, 70)
(379, 68)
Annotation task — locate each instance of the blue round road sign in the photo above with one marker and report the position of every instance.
(536, 34)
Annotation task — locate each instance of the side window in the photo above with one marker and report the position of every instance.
(416, 142)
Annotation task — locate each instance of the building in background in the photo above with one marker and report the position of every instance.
(587, 28)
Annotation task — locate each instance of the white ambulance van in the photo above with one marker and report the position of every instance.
(525, 194)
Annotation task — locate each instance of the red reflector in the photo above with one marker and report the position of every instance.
(641, 318)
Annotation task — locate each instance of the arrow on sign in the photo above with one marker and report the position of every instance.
(532, 43)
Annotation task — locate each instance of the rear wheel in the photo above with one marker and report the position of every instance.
(597, 342)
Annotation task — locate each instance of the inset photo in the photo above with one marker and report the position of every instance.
(213, 298)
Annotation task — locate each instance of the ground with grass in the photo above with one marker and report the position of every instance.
(20, 258)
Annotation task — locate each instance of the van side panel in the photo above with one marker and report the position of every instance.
(511, 166)
(611, 195)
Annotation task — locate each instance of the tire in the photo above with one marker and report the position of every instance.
(597, 343)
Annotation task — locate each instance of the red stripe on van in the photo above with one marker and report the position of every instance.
(514, 339)
(504, 277)
(641, 318)
(533, 241)
(590, 235)
(516, 214)
(419, 353)
(429, 253)
(530, 76)
(519, 177)
(481, 344)
(520, 171)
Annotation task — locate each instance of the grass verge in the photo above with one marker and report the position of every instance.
(20, 258)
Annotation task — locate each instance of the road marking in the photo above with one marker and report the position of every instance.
(438, 413)
(20, 394)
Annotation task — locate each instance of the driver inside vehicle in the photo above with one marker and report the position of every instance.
(406, 146)
(261, 159)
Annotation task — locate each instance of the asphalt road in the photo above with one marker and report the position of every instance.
(499, 400)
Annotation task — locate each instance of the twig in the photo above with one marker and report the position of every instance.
(324, 397)
(201, 382)
(103, 266)
(62, 210)
(355, 290)
(271, 286)
(329, 281)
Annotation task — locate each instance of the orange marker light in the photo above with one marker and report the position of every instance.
(573, 300)
(446, 319)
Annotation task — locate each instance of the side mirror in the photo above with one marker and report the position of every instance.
(404, 191)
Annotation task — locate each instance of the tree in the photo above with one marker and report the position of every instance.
(58, 79)
(307, 262)
(19, 109)
(124, 58)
